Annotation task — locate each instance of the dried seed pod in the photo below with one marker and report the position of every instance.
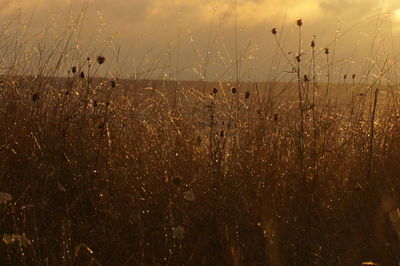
(35, 97)
(299, 22)
(101, 59)
(177, 181)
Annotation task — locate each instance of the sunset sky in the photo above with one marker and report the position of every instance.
(183, 31)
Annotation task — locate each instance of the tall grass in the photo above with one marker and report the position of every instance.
(136, 172)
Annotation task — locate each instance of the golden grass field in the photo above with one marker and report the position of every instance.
(110, 171)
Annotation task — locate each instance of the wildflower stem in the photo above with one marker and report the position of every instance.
(301, 129)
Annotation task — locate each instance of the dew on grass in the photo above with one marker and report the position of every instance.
(22, 240)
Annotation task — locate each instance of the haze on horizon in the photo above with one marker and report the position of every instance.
(196, 39)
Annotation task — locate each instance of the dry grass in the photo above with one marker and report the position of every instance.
(141, 172)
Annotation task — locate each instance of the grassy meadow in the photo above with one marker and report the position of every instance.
(104, 170)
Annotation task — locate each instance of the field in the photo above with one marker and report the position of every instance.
(111, 171)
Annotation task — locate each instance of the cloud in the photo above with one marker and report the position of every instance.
(249, 12)
(357, 8)
(349, 6)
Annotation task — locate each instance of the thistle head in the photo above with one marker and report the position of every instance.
(101, 59)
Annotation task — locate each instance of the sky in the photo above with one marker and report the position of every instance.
(192, 39)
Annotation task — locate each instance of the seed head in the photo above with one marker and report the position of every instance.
(113, 83)
(222, 134)
(101, 59)
(326, 50)
(299, 22)
(82, 75)
(345, 76)
(94, 103)
(276, 117)
(73, 69)
(35, 97)
(176, 181)
(215, 90)
(233, 90)
(274, 31)
(353, 76)
(312, 44)
(247, 95)
(305, 78)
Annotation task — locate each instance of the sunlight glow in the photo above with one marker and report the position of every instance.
(396, 14)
